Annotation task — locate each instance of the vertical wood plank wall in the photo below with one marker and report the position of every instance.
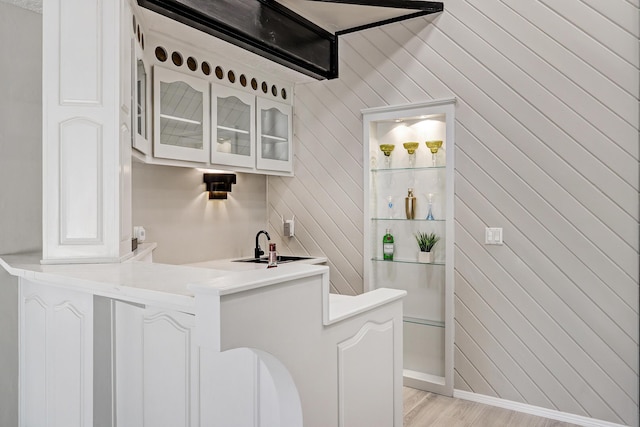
(547, 148)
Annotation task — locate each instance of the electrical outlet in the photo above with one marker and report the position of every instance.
(288, 228)
(139, 233)
(493, 236)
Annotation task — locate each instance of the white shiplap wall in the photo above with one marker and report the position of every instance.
(547, 148)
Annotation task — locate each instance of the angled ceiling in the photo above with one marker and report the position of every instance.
(299, 34)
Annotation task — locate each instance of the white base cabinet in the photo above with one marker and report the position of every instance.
(263, 348)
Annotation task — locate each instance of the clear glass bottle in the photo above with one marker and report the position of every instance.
(387, 246)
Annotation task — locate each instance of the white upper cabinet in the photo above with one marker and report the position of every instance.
(205, 113)
(181, 116)
(233, 126)
(275, 148)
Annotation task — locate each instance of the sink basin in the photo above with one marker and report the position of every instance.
(281, 259)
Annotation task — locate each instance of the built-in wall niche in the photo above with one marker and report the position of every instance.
(409, 192)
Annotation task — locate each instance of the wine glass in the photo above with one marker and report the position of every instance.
(387, 149)
(411, 148)
(434, 146)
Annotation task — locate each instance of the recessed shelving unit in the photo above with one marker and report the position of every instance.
(428, 306)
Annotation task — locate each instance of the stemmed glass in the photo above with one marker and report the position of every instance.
(387, 149)
(411, 148)
(430, 213)
(434, 146)
(390, 206)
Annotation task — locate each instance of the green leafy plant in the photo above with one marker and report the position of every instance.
(426, 241)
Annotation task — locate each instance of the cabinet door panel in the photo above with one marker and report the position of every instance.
(275, 145)
(156, 367)
(56, 356)
(233, 124)
(181, 116)
(140, 112)
(33, 331)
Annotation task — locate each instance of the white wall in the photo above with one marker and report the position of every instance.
(547, 123)
(172, 206)
(20, 175)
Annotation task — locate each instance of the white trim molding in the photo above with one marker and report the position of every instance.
(533, 410)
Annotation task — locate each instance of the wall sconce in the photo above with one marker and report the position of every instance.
(219, 184)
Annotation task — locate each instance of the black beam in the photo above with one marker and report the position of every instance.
(263, 27)
(427, 6)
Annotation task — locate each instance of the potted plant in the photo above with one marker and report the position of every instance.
(426, 242)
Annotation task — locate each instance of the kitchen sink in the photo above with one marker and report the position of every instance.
(281, 259)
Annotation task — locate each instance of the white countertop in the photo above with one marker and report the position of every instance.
(153, 283)
(231, 264)
(172, 286)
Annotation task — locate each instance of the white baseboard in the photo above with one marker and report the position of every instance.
(533, 410)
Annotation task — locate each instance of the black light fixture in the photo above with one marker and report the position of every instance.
(219, 184)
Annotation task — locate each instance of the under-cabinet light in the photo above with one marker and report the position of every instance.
(180, 119)
(219, 184)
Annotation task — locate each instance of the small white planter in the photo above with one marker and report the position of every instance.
(425, 257)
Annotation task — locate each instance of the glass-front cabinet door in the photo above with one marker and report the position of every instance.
(181, 116)
(275, 148)
(141, 95)
(233, 127)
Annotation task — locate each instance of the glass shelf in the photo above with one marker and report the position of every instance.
(408, 261)
(407, 169)
(404, 219)
(228, 129)
(273, 138)
(426, 322)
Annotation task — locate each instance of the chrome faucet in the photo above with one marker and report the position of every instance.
(257, 251)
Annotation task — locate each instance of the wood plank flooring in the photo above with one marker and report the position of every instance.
(423, 409)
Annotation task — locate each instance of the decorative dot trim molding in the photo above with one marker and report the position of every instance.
(139, 35)
(205, 68)
(176, 57)
(161, 54)
(192, 63)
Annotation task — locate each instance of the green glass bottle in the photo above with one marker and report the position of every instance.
(387, 246)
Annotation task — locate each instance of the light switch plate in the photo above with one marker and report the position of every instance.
(493, 236)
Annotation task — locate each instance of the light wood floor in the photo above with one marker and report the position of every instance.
(422, 409)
